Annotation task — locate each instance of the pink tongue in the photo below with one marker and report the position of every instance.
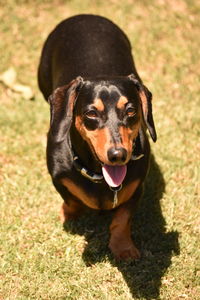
(114, 175)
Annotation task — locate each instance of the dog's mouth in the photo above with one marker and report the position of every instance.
(114, 175)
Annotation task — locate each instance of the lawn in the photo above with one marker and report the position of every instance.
(39, 259)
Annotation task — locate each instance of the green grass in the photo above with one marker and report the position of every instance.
(38, 258)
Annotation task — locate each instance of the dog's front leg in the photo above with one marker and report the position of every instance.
(70, 211)
(121, 243)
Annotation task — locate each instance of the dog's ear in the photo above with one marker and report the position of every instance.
(145, 97)
(62, 103)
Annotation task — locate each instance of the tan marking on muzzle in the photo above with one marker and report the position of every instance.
(98, 139)
(128, 135)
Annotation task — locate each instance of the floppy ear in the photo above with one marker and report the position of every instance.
(62, 103)
(145, 97)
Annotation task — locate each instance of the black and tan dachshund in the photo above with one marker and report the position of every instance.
(97, 150)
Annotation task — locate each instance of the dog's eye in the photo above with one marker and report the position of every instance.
(91, 114)
(130, 111)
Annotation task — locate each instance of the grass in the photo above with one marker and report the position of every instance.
(40, 260)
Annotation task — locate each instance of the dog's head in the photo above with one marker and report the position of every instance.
(108, 115)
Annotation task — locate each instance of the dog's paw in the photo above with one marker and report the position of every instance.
(124, 250)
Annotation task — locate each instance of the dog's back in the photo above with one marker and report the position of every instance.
(87, 46)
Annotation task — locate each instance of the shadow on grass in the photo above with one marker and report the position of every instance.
(157, 246)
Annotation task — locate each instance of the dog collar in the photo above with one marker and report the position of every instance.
(94, 177)
(97, 178)
(136, 157)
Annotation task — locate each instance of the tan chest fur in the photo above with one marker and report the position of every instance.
(123, 195)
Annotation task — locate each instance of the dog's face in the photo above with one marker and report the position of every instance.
(107, 115)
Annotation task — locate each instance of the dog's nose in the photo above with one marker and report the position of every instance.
(117, 155)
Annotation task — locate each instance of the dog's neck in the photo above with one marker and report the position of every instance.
(83, 151)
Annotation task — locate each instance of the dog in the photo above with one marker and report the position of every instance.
(97, 149)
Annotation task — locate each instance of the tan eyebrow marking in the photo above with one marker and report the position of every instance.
(98, 103)
(121, 102)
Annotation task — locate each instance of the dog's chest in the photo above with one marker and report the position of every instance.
(101, 200)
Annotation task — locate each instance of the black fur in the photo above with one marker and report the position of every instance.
(84, 58)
